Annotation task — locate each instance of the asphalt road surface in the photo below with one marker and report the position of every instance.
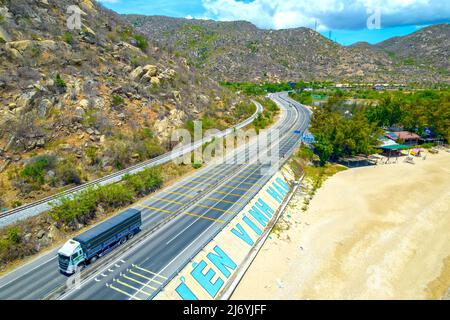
(177, 223)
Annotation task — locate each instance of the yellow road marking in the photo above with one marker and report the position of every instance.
(147, 278)
(231, 194)
(200, 182)
(247, 177)
(214, 208)
(123, 292)
(167, 200)
(190, 188)
(187, 213)
(236, 188)
(248, 183)
(203, 217)
(179, 194)
(221, 200)
(151, 272)
(131, 287)
(156, 209)
(137, 281)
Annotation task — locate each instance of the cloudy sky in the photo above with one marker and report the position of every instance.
(345, 21)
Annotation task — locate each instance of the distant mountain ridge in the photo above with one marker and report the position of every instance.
(239, 51)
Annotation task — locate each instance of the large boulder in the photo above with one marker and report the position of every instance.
(177, 96)
(79, 113)
(25, 99)
(43, 107)
(155, 82)
(150, 70)
(137, 74)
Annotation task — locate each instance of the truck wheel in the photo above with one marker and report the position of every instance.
(122, 241)
(93, 259)
(130, 236)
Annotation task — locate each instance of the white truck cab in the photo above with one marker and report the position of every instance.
(70, 256)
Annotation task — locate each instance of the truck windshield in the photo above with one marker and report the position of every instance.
(63, 260)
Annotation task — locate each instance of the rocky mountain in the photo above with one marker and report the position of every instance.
(81, 103)
(239, 51)
(428, 46)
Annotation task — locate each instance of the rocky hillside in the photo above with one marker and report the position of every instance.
(428, 46)
(77, 104)
(239, 51)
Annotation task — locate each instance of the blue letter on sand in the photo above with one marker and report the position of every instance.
(205, 280)
(242, 234)
(221, 260)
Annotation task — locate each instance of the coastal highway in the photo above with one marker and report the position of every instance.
(177, 223)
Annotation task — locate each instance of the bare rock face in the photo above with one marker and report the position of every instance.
(165, 126)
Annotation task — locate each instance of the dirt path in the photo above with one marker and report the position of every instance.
(370, 233)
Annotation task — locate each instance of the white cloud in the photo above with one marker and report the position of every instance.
(330, 14)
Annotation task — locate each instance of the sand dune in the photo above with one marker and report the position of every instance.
(370, 233)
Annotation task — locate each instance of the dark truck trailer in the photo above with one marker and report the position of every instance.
(90, 245)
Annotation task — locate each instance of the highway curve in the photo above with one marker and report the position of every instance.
(177, 223)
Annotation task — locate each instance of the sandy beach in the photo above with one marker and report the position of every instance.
(379, 232)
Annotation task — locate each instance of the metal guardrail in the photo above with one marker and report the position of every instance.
(40, 206)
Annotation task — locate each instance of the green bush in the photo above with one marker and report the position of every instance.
(141, 41)
(81, 205)
(196, 165)
(59, 82)
(145, 181)
(13, 234)
(117, 100)
(114, 195)
(34, 172)
(68, 37)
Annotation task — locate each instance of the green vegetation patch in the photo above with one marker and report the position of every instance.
(83, 206)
